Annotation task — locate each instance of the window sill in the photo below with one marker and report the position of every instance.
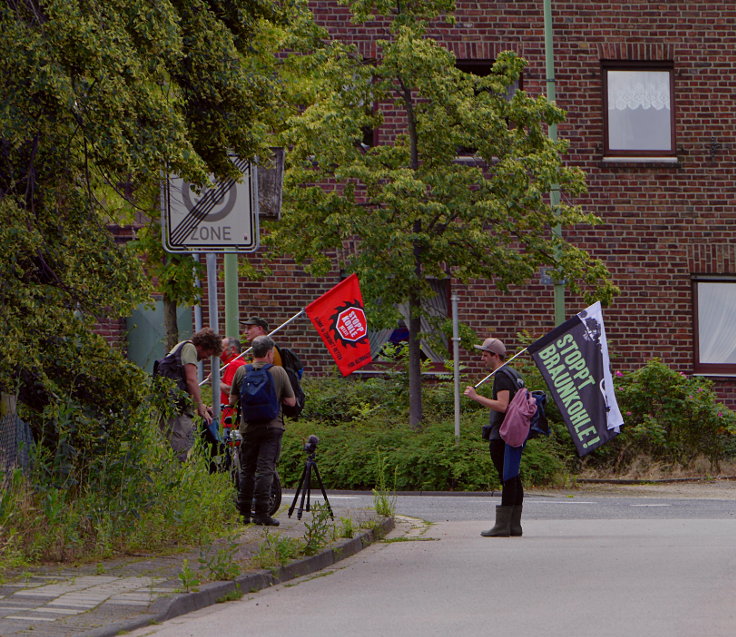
(714, 375)
(640, 161)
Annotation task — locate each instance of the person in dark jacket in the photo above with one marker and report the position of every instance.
(261, 440)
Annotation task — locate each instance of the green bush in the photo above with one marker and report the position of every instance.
(359, 422)
(669, 418)
(94, 496)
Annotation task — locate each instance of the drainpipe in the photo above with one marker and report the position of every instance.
(554, 195)
(232, 325)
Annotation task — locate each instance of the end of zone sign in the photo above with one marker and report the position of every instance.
(223, 218)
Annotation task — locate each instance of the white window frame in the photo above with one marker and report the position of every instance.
(714, 328)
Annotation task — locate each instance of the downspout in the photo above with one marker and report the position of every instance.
(554, 195)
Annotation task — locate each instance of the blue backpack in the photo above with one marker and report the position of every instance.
(258, 401)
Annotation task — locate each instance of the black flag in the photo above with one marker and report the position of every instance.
(573, 360)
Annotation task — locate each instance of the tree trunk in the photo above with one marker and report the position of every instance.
(416, 411)
(170, 326)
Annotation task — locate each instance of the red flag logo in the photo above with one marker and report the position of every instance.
(339, 318)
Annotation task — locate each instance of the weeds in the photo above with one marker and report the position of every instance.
(136, 496)
(233, 596)
(318, 532)
(347, 529)
(384, 501)
(188, 578)
(220, 565)
(277, 550)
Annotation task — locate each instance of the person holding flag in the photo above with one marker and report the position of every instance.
(255, 327)
(505, 385)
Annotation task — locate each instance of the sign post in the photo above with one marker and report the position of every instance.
(220, 219)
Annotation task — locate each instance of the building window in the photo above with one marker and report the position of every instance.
(481, 68)
(715, 328)
(434, 345)
(638, 109)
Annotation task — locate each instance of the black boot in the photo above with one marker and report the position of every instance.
(503, 523)
(265, 520)
(516, 521)
(245, 498)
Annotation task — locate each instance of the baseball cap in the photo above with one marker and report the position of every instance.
(254, 320)
(492, 345)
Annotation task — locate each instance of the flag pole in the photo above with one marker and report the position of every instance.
(284, 324)
(499, 367)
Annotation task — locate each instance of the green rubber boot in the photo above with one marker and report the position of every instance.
(516, 521)
(502, 527)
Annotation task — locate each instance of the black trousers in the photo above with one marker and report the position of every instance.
(512, 493)
(258, 455)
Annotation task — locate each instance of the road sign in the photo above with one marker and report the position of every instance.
(223, 218)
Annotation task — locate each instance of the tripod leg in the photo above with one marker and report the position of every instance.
(324, 493)
(305, 492)
(296, 495)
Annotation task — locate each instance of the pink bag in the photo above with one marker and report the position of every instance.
(515, 428)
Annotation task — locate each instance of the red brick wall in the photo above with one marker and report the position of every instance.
(660, 223)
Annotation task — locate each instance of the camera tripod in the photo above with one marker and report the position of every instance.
(305, 486)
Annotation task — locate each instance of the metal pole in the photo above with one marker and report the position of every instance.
(554, 194)
(198, 313)
(499, 367)
(214, 324)
(456, 363)
(232, 326)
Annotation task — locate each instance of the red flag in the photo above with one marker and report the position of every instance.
(339, 318)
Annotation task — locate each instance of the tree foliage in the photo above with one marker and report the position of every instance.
(98, 98)
(406, 210)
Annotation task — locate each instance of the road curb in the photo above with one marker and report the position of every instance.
(209, 594)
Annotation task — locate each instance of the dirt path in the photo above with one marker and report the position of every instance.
(721, 489)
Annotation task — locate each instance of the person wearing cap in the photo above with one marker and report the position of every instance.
(256, 326)
(261, 440)
(505, 384)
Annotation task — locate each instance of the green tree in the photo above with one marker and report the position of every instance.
(98, 98)
(406, 210)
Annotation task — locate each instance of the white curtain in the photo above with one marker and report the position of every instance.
(628, 90)
(716, 322)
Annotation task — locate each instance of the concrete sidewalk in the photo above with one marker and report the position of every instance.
(103, 599)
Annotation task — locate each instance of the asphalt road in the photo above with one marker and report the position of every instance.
(564, 505)
(604, 564)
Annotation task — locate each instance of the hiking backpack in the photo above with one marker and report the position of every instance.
(258, 401)
(539, 426)
(293, 367)
(170, 366)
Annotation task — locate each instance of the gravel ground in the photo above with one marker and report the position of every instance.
(719, 489)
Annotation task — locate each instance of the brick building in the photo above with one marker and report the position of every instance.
(649, 94)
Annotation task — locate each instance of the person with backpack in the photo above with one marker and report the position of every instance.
(261, 389)
(180, 364)
(282, 357)
(506, 382)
